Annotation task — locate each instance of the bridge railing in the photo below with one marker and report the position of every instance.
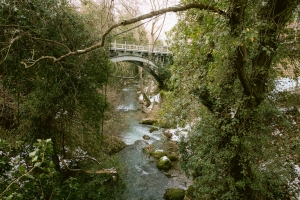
(138, 48)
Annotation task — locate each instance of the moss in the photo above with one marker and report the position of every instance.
(173, 156)
(190, 192)
(164, 163)
(153, 128)
(158, 154)
(149, 149)
(174, 194)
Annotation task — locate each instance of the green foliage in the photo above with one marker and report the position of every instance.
(35, 177)
(64, 101)
(243, 144)
(32, 175)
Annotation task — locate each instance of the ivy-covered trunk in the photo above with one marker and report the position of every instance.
(239, 147)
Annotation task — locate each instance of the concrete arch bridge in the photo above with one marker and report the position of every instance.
(145, 56)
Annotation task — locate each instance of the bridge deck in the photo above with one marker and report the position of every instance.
(140, 49)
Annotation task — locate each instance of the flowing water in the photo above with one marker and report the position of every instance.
(142, 178)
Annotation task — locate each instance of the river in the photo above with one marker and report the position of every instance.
(142, 178)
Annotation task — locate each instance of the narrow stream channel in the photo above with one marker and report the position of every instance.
(142, 178)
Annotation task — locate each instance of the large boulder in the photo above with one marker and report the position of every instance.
(158, 154)
(153, 128)
(174, 194)
(113, 145)
(148, 121)
(164, 163)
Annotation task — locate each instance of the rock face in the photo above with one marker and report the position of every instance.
(174, 194)
(164, 163)
(158, 154)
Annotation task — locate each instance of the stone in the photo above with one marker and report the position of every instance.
(158, 154)
(174, 194)
(146, 137)
(116, 145)
(149, 149)
(148, 121)
(153, 128)
(164, 163)
(168, 134)
(168, 175)
(173, 156)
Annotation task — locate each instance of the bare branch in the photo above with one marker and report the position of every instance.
(52, 41)
(9, 46)
(127, 22)
(87, 157)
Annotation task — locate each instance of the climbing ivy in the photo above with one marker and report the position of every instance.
(224, 72)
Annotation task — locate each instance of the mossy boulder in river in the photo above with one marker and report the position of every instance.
(164, 163)
(158, 154)
(173, 156)
(174, 194)
(148, 121)
(146, 137)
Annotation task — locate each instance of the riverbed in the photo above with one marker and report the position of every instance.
(139, 172)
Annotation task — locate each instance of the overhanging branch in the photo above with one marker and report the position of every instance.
(124, 23)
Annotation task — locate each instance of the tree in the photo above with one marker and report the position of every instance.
(240, 148)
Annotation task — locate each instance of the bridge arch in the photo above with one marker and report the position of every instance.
(138, 55)
(139, 61)
(132, 59)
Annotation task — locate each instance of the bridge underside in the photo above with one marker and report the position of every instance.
(140, 61)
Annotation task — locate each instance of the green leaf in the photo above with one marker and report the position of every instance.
(37, 164)
(31, 154)
(35, 159)
(29, 176)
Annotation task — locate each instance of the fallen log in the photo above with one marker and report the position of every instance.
(102, 171)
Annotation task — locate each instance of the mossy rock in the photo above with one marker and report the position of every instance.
(113, 145)
(158, 154)
(149, 149)
(153, 128)
(168, 134)
(174, 194)
(148, 121)
(146, 137)
(164, 163)
(173, 156)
